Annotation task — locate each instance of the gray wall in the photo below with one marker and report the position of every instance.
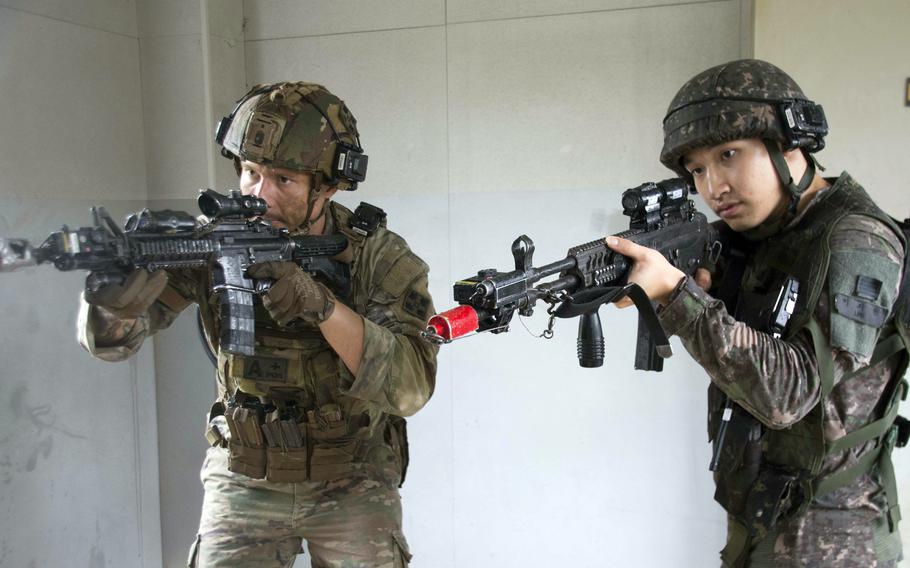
(483, 120)
(78, 448)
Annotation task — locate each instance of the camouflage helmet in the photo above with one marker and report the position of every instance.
(748, 98)
(297, 126)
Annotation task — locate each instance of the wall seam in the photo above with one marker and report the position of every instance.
(61, 20)
(207, 88)
(450, 377)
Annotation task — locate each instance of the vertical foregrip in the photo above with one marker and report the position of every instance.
(237, 322)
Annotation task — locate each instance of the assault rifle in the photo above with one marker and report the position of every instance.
(230, 241)
(662, 217)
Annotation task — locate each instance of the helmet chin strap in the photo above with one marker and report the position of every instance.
(312, 197)
(779, 220)
(783, 172)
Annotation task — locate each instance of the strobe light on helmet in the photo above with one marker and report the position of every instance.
(351, 163)
(804, 124)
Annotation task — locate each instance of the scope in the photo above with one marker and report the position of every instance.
(216, 205)
(650, 197)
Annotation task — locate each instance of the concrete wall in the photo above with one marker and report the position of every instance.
(851, 57)
(78, 449)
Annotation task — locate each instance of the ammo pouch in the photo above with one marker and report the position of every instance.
(756, 493)
(276, 441)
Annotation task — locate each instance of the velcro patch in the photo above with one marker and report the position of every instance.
(416, 304)
(265, 369)
(868, 288)
(860, 310)
(402, 273)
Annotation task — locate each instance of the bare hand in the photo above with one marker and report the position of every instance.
(703, 278)
(650, 270)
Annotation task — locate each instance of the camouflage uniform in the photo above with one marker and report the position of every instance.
(777, 382)
(804, 467)
(337, 486)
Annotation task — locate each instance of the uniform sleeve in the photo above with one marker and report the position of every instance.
(777, 380)
(110, 338)
(398, 368)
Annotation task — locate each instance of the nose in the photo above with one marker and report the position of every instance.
(715, 183)
(262, 187)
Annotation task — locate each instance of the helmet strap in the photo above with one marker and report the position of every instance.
(312, 197)
(783, 172)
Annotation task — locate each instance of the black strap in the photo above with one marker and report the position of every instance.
(206, 346)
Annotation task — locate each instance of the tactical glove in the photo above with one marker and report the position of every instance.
(132, 298)
(294, 294)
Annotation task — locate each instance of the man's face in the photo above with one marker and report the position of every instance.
(738, 181)
(285, 191)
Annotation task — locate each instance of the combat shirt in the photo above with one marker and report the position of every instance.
(777, 381)
(389, 291)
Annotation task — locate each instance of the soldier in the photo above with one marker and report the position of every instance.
(308, 438)
(801, 413)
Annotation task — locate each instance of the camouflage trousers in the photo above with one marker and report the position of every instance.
(825, 538)
(253, 523)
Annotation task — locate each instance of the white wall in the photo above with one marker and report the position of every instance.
(78, 450)
(852, 58)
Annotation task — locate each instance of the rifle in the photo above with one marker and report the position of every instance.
(662, 217)
(227, 243)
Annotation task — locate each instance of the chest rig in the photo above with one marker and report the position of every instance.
(283, 408)
(762, 475)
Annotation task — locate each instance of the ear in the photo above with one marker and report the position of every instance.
(795, 159)
(328, 191)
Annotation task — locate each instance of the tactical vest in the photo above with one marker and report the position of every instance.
(284, 407)
(764, 475)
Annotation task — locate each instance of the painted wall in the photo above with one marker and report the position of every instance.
(78, 444)
(851, 57)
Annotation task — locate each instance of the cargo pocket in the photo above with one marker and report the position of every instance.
(402, 551)
(193, 558)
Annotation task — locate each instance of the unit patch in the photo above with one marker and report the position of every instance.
(265, 368)
(859, 310)
(416, 304)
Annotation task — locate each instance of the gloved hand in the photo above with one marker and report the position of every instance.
(132, 298)
(294, 294)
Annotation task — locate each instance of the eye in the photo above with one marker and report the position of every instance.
(727, 154)
(696, 171)
(284, 179)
